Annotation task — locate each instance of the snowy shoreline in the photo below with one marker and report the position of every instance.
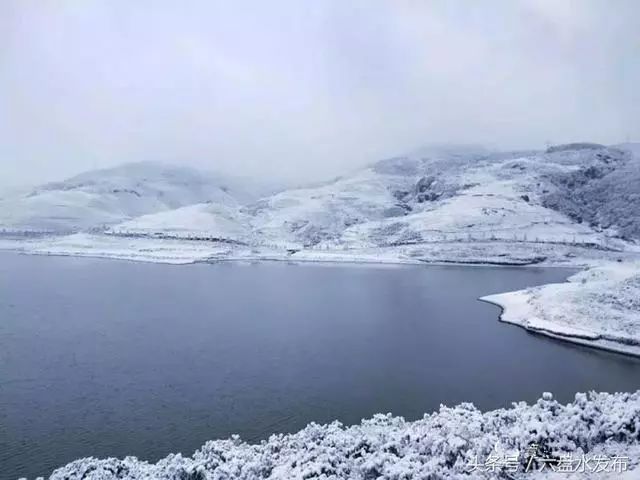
(176, 251)
(576, 338)
(597, 307)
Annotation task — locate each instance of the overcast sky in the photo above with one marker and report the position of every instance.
(305, 89)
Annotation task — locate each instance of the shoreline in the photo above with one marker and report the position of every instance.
(354, 260)
(516, 307)
(176, 252)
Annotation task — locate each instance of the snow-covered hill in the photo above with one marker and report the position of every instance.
(573, 194)
(212, 221)
(445, 195)
(105, 197)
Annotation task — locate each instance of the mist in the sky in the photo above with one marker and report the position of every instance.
(303, 90)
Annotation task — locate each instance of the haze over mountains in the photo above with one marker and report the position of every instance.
(583, 193)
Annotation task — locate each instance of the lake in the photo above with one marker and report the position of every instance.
(107, 358)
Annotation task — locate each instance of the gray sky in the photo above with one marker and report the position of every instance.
(303, 90)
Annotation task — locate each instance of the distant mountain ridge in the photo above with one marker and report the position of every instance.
(579, 192)
(98, 198)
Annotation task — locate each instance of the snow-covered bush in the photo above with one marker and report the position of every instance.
(443, 445)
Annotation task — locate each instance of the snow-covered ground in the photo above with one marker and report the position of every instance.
(190, 249)
(205, 221)
(119, 248)
(594, 437)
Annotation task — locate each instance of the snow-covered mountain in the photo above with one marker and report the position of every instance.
(98, 198)
(574, 194)
(496, 196)
(448, 194)
(319, 214)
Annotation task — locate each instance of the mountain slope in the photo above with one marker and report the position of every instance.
(202, 221)
(440, 194)
(102, 197)
(496, 197)
(572, 194)
(604, 192)
(388, 189)
(431, 195)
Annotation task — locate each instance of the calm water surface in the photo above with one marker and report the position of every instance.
(110, 358)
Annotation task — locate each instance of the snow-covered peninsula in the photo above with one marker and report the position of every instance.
(599, 307)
